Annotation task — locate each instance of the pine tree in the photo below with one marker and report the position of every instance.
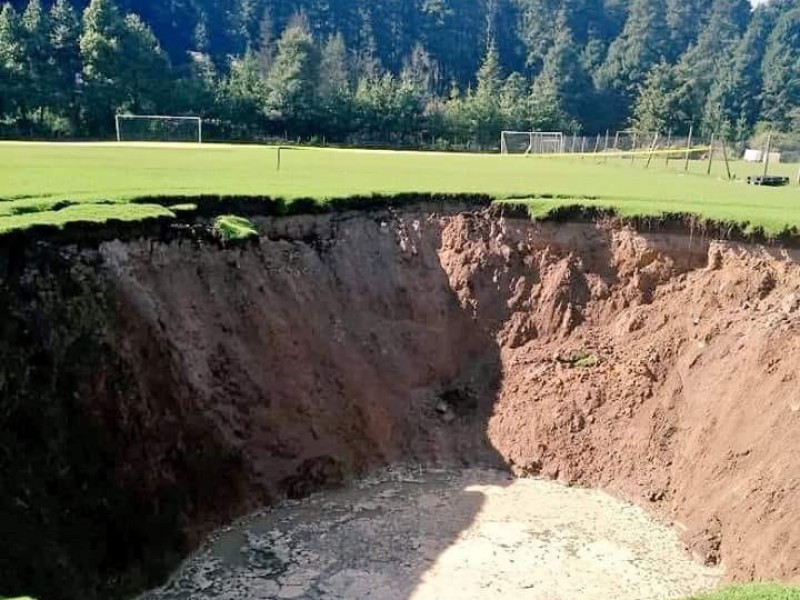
(12, 62)
(537, 29)
(242, 94)
(483, 106)
(781, 71)
(514, 103)
(145, 78)
(490, 76)
(99, 44)
(124, 67)
(292, 80)
(375, 107)
(686, 19)
(265, 49)
(660, 106)
(745, 105)
(421, 71)
(709, 60)
(563, 74)
(37, 53)
(644, 42)
(64, 37)
(335, 87)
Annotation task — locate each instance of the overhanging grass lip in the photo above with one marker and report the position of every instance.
(72, 218)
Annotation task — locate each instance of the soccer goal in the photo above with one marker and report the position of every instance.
(531, 142)
(159, 128)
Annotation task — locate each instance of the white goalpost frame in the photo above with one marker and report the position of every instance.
(549, 142)
(130, 117)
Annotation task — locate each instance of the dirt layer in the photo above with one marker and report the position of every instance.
(153, 390)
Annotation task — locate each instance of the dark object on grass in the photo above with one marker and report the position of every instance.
(768, 180)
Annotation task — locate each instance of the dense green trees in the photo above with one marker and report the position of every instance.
(781, 71)
(400, 71)
(124, 68)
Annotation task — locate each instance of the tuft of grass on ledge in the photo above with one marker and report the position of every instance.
(757, 591)
(231, 228)
(84, 213)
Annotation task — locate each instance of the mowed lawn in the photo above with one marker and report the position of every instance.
(35, 178)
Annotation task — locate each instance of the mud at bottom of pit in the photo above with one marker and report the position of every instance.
(409, 534)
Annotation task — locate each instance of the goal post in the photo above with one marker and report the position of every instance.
(158, 128)
(531, 142)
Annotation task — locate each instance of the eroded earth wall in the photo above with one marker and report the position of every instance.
(152, 390)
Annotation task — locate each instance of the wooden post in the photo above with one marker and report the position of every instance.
(652, 149)
(633, 149)
(688, 148)
(616, 141)
(710, 155)
(572, 146)
(279, 159)
(725, 156)
(766, 154)
(605, 148)
(669, 147)
(798, 176)
(583, 145)
(597, 144)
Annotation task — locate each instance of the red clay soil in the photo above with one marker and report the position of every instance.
(694, 405)
(661, 367)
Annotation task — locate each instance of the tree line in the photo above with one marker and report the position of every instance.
(433, 72)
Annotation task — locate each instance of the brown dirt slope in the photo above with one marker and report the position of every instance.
(343, 343)
(694, 404)
(190, 383)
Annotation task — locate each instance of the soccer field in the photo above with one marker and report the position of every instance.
(96, 181)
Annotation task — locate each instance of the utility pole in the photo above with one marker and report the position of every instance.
(688, 148)
(710, 155)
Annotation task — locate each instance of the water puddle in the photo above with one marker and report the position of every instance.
(436, 535)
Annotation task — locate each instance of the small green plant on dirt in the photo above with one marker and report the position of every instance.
(585, 360)
(231, 228)
(753, 592)
(581, 360)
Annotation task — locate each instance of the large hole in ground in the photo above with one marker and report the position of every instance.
(155, 391)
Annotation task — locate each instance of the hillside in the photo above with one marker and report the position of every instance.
(448, 73)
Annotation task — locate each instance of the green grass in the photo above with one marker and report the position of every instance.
(753, 592)
(232, 228)
(38, 181)
(84, 213)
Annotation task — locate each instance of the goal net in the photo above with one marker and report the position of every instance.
(531, 142)
(159, 128)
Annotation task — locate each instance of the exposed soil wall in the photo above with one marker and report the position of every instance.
(151, 390)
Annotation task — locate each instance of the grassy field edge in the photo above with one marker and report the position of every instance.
(155, 216)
